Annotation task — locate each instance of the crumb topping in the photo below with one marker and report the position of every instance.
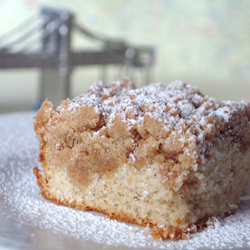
(116, 124)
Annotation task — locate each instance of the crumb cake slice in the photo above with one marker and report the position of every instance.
(167, 157)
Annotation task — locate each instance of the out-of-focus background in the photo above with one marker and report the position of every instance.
(204, 43)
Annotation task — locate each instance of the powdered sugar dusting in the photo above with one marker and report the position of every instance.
(178, 99)
(175, 109)
(19, 199)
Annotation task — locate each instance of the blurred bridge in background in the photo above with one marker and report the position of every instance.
(45, 43)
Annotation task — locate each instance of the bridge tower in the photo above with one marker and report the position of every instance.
(55, 79)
